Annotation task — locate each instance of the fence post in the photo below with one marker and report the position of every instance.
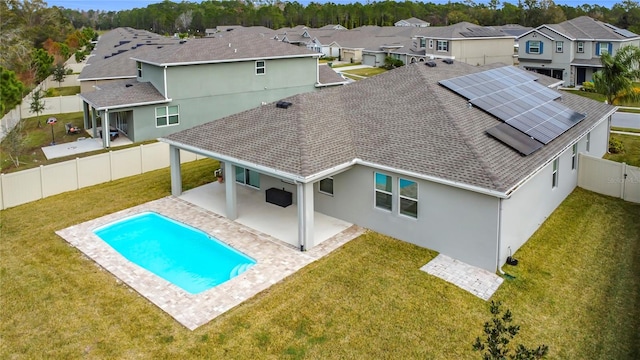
(141, 159)
(110, 164)
(41, 181)
(623, 179)
(2, 187)
(78, 173)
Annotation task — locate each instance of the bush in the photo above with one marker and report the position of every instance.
(588, 86)
(392, 63)
(615, 146)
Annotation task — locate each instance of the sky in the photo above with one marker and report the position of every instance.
(115, 5)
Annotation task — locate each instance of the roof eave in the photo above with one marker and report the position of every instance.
(185, 63)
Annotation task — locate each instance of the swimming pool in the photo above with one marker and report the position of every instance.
(176, 252)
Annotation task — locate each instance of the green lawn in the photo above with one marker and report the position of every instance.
(576, 289)
(36, 134)
(602, 98)
(631, 153)
(366, 72)
(63, 91)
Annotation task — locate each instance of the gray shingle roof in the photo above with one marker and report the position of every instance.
(586, 28)
(123, 93)
(224, 47)
(402, 119)
(328, 76)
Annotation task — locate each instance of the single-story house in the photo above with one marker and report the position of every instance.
(413, 154)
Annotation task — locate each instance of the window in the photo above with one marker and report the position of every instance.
(430, 44)
(260, 67)
(139, 67)
(580, 47)
(574, 150)
(554, 175)
(408, 198)
(423, 42)
(326, 186)
(442, 45)
(559, 46)
(603, 48)
(247, 177)
(167, 115)
(534, 47)
(588, 141)
(384, 193)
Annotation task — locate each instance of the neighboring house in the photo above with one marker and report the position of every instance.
(570, 51)
(415, 22)
(180, 84)
(405, 156)
(466, 42)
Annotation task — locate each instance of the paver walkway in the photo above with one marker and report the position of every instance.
(479, 282)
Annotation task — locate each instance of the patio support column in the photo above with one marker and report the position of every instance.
(176, 173)
(94, 123)
(106, 130)
(85, 115)
(305, 216)
(230, 191)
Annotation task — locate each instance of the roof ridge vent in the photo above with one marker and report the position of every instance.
(283, 104)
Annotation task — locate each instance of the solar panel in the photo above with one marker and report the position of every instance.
(513, 96)
(514, 138)
(622, 32)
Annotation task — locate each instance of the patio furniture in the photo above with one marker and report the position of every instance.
(279, 197)
(113, 133)
(72, 129)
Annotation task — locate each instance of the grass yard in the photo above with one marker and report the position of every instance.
(34, 137)
(63, 91)
(631, 154)
(366, 72)
(576, 289)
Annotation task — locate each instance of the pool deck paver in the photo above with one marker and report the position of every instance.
(479, 282)
(276, 260)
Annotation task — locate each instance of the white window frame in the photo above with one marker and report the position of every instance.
(559, 46)
(330, 178)
(430, 43)
(442, 45)
(531, 46)
(376, 191)
(600, 48)
(554, 174)
(580, 47)
(167, 115)
(407, 197)
(139, 68)
(588, 141)
(246, 174)
(261, 67)
(574, 152)
(423, 42)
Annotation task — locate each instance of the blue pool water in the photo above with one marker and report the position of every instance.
(178, 253)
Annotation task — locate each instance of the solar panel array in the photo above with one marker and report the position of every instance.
(622, 32)
(513, 96)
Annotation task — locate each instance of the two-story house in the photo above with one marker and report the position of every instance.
(465, 42)
(184, 83)
(570, 51)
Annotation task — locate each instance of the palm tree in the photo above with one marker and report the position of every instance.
(615, 79)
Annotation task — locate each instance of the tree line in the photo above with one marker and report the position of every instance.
(170, 17)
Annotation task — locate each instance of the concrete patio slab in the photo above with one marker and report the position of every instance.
(477, 281)
(275, 260)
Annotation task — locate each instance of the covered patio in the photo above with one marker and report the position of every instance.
(254, 212)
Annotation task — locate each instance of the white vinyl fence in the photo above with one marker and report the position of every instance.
(34, 184)
(609, 178)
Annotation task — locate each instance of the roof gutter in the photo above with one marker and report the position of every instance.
(93, 105)
(108, 78)
(185, 63)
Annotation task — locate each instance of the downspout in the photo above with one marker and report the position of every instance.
(498, 265)
(166, 95)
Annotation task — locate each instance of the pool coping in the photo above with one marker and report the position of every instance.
(276, 260)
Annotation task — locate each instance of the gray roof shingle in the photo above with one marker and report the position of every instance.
(586, 28)
(123, 93)
(402, 119)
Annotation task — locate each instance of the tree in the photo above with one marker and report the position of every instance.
(615, 79)
(14, 144)
(11, 90)
(499, 332)
(37, 104)
(59, 73)
(42, 62)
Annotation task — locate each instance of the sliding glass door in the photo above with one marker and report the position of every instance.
(248, 177)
